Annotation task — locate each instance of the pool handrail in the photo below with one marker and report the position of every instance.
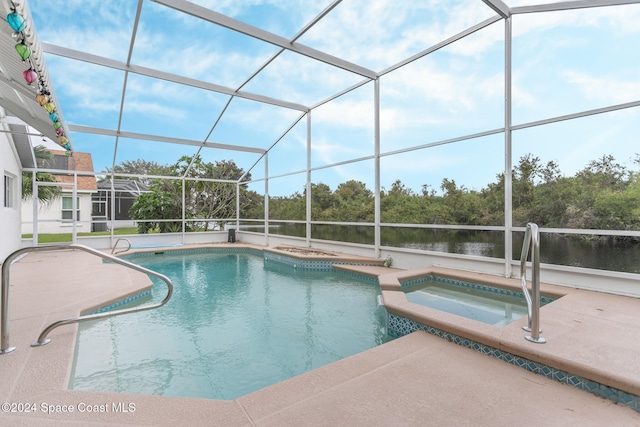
(42, 338)
(116, 244)
(532, 239)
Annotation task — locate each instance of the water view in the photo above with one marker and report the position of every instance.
(574, 251)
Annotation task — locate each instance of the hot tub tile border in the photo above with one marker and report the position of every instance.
(470, 285)
(398, 326)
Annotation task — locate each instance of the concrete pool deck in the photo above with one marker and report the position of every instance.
(416, 380)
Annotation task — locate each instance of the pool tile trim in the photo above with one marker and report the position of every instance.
(398, 326)
(306, 263)
(433, 278)
(310, 263)
(160, 251)
(121, 302)
(356, 275)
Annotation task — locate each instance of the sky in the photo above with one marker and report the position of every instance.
(563, 63)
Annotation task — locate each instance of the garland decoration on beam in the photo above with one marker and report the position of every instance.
(31, 76)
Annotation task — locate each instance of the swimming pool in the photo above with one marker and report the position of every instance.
(234, 325)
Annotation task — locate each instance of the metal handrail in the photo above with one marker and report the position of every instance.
(532, 239)
(42, 339)
(116, 244)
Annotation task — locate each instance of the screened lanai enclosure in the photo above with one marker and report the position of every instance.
(395, 129)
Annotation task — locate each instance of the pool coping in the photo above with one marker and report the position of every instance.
(40, 375)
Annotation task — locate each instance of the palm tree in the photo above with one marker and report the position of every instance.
(45, 194)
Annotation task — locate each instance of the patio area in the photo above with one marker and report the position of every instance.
(414, 380)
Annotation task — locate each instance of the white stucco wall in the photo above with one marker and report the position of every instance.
(9, 217)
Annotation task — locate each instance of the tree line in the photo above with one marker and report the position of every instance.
(602, 195)
(161, 208)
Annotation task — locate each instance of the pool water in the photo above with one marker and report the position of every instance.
(235, 324)
(487, 307)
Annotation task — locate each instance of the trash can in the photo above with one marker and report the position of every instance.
(98, 226)
(232, 235)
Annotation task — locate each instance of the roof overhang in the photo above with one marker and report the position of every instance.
(16, 96)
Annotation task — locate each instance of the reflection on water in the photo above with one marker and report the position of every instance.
(467, 248)
(560, 250)
(575, 251)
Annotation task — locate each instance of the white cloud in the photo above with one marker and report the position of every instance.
(444, 91)
(381, 33)
(624, 19)
(346, 114)
(607, 89)
(325, 151)
(291, 15)
(296, 78)
(266, 120)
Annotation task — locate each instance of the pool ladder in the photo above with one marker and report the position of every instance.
(42, 338)
(532, 239)
(116, 244)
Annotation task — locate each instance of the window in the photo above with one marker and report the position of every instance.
(67, 208)
(9, 191)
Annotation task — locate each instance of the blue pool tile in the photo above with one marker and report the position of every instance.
(532, 366)
(520, 362)
(560, 376)
(495, 353)
(575, 381)
(591, 387)
(399, 326)
(608, 392)
(627, 399)
(547, 371)
(122, 302)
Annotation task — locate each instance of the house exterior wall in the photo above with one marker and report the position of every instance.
(9, 216)
(50, 216)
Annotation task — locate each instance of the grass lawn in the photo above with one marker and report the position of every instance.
(66, 237)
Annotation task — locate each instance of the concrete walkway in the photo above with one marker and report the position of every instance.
(417, 380)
